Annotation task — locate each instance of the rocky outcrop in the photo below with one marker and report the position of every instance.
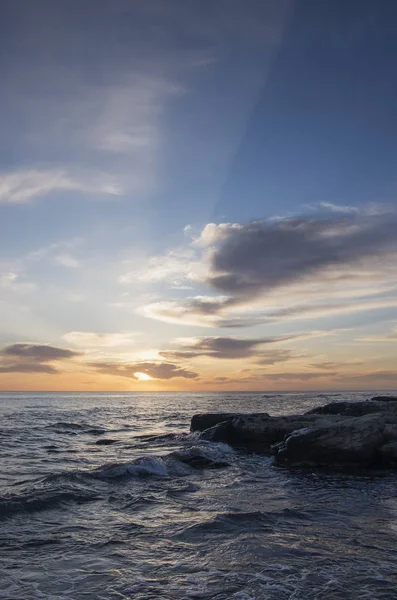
(337, 434)
(351, 441)
(251, 431)
(384, 399)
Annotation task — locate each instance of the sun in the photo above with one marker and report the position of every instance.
(143, 376)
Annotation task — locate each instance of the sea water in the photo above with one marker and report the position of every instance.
(108, 496)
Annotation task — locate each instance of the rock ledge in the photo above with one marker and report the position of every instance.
(340, 434)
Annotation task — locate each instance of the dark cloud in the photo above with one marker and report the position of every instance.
(225, 348)
(258, 257)
(32, 358)
(26, 367)
(39, 352)
(156, 370)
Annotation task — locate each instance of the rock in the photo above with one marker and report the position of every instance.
(105, 442)
(388, 453)
(203, 421)
(384, 399)
(351, 409)
(337, 434)
(218, 433)
(202, 457)
(256, 432)
(351, 441)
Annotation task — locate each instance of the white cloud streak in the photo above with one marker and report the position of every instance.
(23, 186)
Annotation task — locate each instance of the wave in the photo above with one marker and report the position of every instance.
(37, 500)
(142, 467)
(75, 428)
(208, 455)
(227, 523)
(175, 464)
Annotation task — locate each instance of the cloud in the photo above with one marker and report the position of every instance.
(19, 187)
(10, 282)
(284, 269)
(33, 358)
(91, 339)
(340, 208)
(256, 258)
(27, 367)
(211, 312)
(39, 352)
(298, 376)
(67, 260)
(177, 268)
(197, 310)
(387, 337)
(126, 116)
(227, 348)
(155, 370)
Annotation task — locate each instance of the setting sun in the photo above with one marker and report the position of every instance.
(143, 376)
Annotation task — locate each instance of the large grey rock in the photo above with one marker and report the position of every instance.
(351, 441)
(342, 433)
(257, 432)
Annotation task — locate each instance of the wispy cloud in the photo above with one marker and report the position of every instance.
(67, 260)
(11, 282)
(91, 339)
(20, 187)
(179, 268)
(386, 337)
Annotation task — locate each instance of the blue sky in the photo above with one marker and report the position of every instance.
(202, 192)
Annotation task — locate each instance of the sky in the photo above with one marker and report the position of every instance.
(198, 195)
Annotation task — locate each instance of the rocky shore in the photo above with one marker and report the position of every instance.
(340, 434)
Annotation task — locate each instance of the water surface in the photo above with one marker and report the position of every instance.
(101, 497)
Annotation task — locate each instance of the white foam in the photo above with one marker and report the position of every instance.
(211, 451)
(147, 465)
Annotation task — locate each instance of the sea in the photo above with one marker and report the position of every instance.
(108, 496)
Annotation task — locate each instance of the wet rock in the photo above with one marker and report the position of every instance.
(388, 453)
(351, 441)
(203, 421)
(349, 409)
(340, 433)
(256, 432)
(201, 457)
